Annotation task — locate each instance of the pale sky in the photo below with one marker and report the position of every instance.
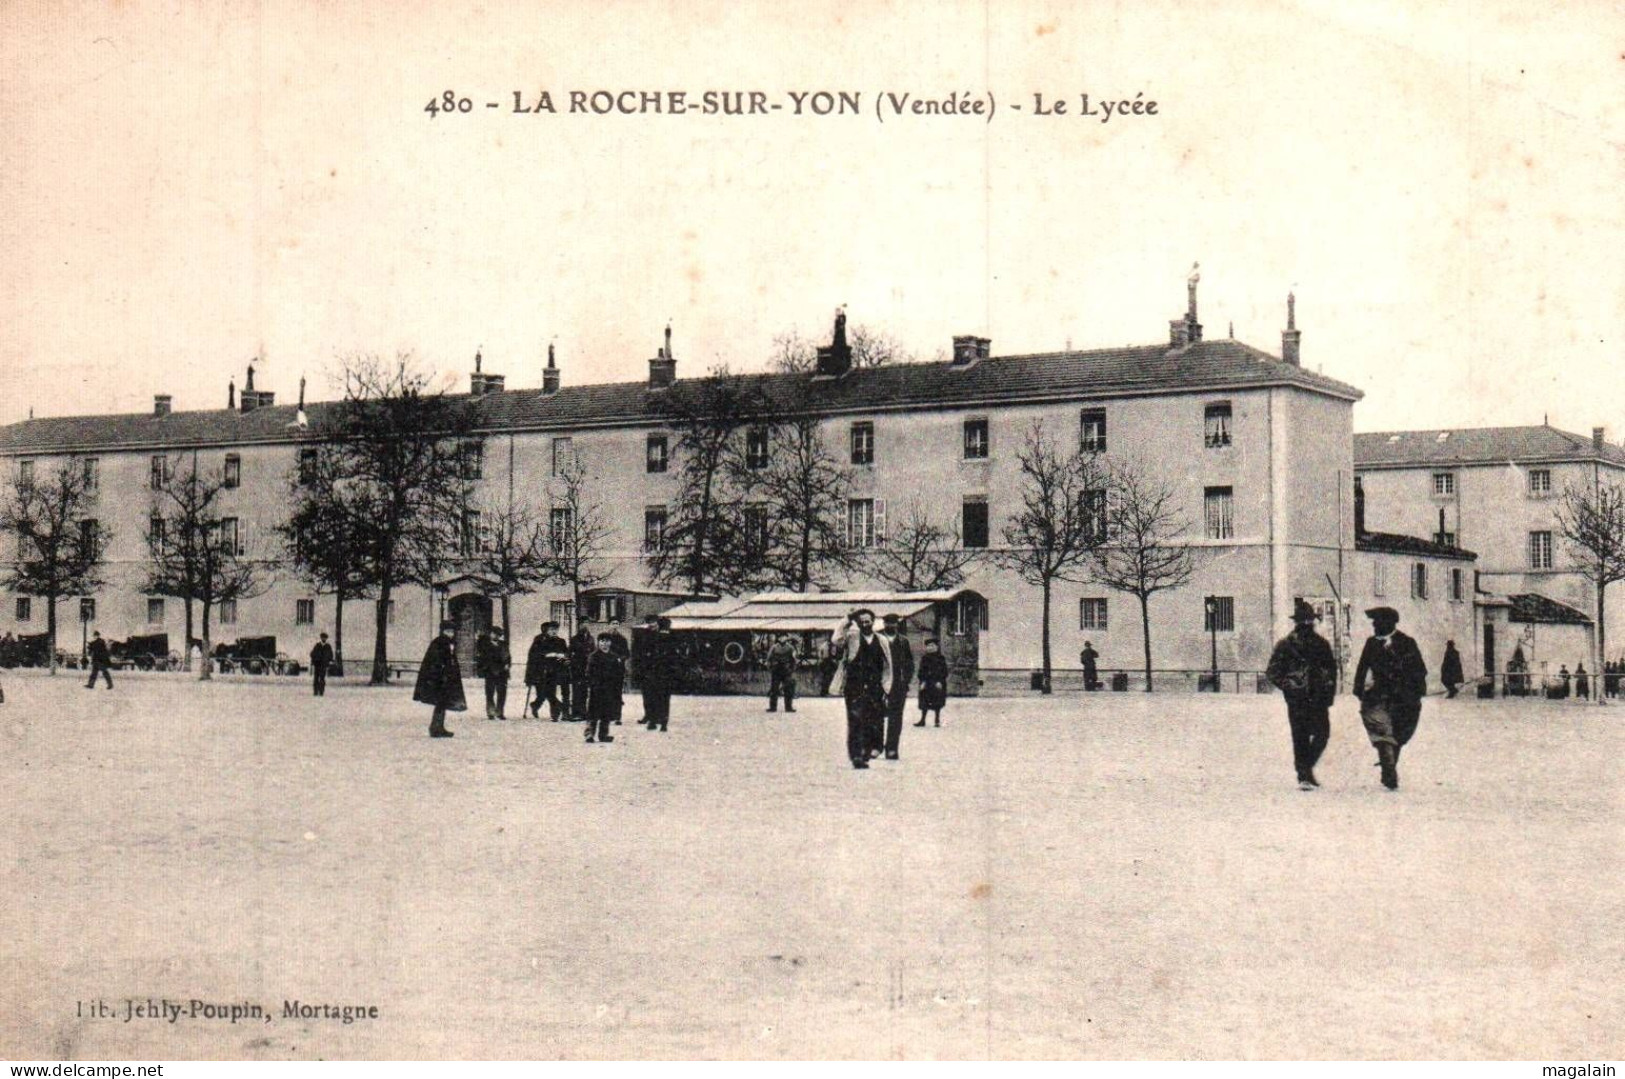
(184, 186)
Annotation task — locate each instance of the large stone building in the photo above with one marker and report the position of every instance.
(1497, 491)
(1257, 448)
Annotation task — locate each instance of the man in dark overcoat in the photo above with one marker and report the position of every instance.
(1390, 680)
(100, 661)
(606, 677)
(321, 658)
(1303, 669)
(655, 667)
(902, 675)
(1089, 659)
(781, 673)
(495, 663)
(547, 669)
(581, 650)
(440, 681)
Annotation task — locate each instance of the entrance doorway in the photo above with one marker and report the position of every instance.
(472, 613)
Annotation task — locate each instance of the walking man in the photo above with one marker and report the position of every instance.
(494, 662)
(1391, 701)
(440, 683)
(547, 669)
(1303, 669)
(606, 676)
(1450, 672)
(655, 674)
(781, 669)
(321, 658)
(100, 662)
(902, 667)
(865, 676)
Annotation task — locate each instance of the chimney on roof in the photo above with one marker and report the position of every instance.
(161, 404)
(969, 349)
(1359, 507)
(251, 399)
(550, 374)
(835, 358)
(1187, 330)
(1291, 335)
(476, 380)
(231, 395)
(1597, 439)
(1441, 536)
(663, 368)
(301, 393)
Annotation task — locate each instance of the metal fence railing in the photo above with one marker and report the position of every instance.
(1127, 680)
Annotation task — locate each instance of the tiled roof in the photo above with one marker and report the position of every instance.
(1534, 607)
(1477, 445)
(1394, 543)
(1146, 369)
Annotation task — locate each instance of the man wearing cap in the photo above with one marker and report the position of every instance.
(1390, 680)
(902, 668)
(1303, 669)
(440, 683)
(547, 668)
(865, 676)
(781, 670)
(321, 658)
(655, 674)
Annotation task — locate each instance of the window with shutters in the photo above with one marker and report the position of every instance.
(307, 465)
(25, 471)
(561, 525)
(1092, 430)
(973, 521)
(1092, 613)
(472, 459)
(976, 440)
(1540, 482)
(655, 454)
(1419, 580)
(304, 612)
(1219, 512)
(232, 474)
(654, 527)
(92, 473)
(756, 530)
(231, 540)
(158, 472)
(1093, 509)
(863, 443)
(155, 610)
(1458, 585)
(564, 455)
(90, 537)
(228, 612)
(474, 537)
(1216, 425)
(756, 448)
(563, 612)
(25, 609)
(865, 522)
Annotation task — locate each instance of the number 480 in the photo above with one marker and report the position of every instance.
(447, 102)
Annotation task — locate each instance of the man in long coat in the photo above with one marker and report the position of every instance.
(1391, 702)
(1089, 660)
(581, 650)
(781, 671)
(495, 663)
(902, 675)
(654, 670)
(865, 676)
(1303, 669)
(440, 682)
(606, 676)
(547, 668)
(321, 658)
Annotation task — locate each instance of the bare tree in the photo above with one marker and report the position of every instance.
(706, 545)
(578, 535)
(800, 499)
(1051, 536)
(199, 552)
(1592, 523)
(398, 449)
(316, 538)
(1145, 551)
(60, 546)
(513, 554)
(919, 554)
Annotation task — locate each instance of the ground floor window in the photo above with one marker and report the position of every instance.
(564, 613)
(1219, 614)
(304, 612)
(1092, 614)
(155, 610)
(228, 612)
(25, 608)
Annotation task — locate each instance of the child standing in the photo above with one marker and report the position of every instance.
(606, 675)
(933, 681)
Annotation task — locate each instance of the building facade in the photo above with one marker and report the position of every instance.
(1257, 449)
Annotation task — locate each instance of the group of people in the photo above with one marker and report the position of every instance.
(584, 679)
(1390, 681)
(873, 671)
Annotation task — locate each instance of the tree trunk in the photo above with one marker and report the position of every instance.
(1602, 642)
(507, 625)
(206, 668)
(380, 638)
(1045, 637)
(50, 631)
(186, 648)
(338, 632)
(1145, 627)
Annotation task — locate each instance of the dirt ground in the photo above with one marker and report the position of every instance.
(1110, 876)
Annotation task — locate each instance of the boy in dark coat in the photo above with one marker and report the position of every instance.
(606, 675)
(440, 682)
(933, 681)
(1303, 669)
(547, 668)
(1391, 703)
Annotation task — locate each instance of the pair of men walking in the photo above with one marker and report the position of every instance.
(874, 674)
(1390, 682)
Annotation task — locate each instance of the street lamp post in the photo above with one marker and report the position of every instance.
(1212, 605)
(85, 606)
